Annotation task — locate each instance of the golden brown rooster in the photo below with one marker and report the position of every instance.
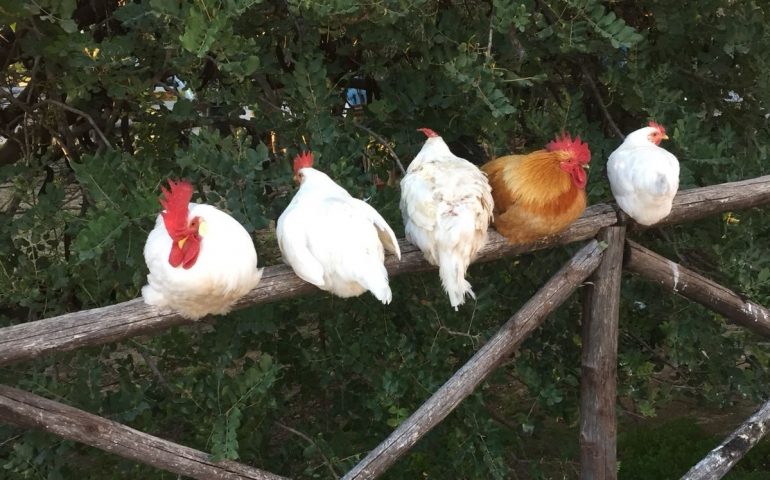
(540, 193)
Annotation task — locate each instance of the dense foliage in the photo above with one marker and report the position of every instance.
(101, 100)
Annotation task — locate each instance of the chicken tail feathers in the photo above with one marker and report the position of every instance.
(452, 269)
(378, 285)
(383, 294)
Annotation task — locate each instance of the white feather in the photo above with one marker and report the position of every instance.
(644, 177)
(335, 241)
(446, 203)
(226, 268)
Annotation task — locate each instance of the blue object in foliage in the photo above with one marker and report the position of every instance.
(356, 97)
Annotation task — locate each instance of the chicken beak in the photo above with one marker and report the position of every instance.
(665, 137)
(586, 166)
(203, 228)
(181, 242)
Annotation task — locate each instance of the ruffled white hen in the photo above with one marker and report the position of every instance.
(447, 204)
(201, 260)
(332, 240)
(643, 176)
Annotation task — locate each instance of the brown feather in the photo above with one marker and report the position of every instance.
(533, 196)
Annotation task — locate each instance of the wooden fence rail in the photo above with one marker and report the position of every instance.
(29, 410)
(720, 460)
(683, 281)
(129, 319)
(113, 323)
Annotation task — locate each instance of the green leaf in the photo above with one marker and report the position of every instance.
(68, 25)
(250, 65)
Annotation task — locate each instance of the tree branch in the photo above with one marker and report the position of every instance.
(384, 143)
(129, 319)
(595, 91)
(83, 114)
(312, 442)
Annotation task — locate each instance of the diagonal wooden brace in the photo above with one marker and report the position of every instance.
(32, 411)
(697, 288)
(484, 362)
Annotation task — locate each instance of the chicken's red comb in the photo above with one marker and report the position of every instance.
(658, 126)
(303, 160)
(175, 202)
(428, 132)
(579, 150)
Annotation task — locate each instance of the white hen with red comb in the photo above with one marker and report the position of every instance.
(332, 240)
(201, 260)
(643, 176)
(447, 204)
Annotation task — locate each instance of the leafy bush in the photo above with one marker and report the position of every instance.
(170, 85)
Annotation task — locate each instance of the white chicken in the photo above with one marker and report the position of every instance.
(201, 260)
(333, 240)
(643, 176)
(447, 204)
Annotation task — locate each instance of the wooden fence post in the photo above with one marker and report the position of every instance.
(29, 410)
(470, 375)
(598, 377)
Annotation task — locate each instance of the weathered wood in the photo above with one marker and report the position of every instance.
(470, 375)
(720, 460)
(703, 202)
(598, 377)
(698, 288)
(128, 319)
(32, 411)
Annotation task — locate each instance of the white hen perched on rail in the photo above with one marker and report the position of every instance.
(333, 240)
(643, 176)
(201, 259)
(446, 202)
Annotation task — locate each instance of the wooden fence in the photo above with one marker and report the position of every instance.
(602, 260)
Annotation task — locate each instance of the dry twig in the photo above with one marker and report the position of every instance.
(598, 97)
(312, 442)
(83, 114)
(384, 143)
